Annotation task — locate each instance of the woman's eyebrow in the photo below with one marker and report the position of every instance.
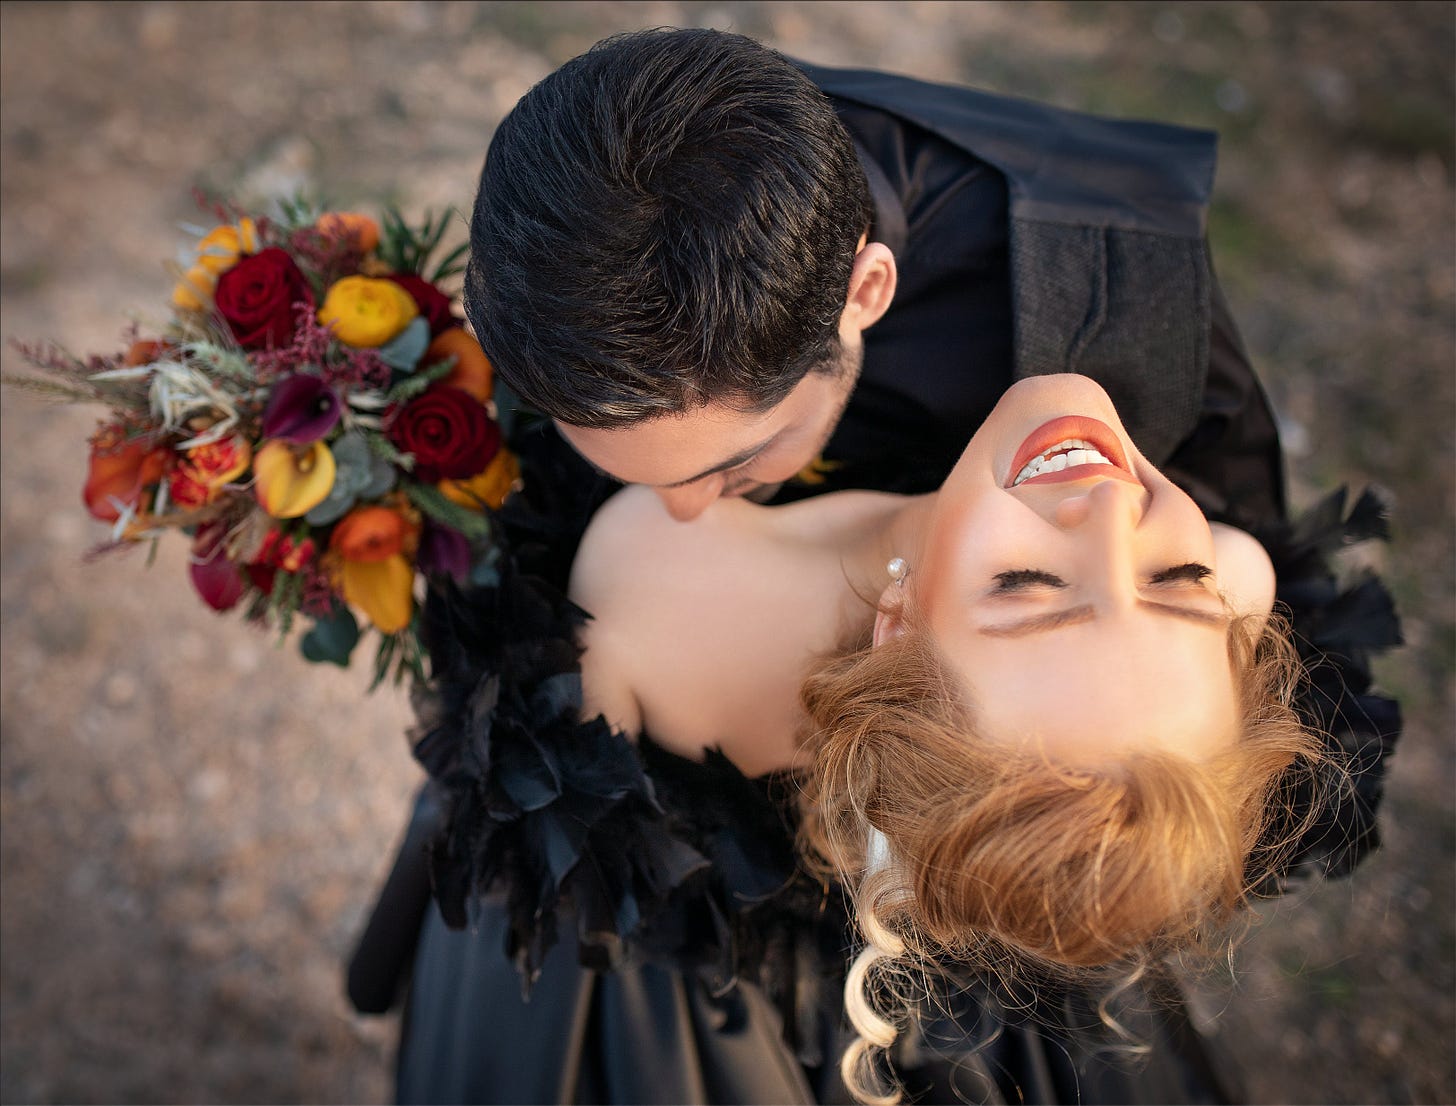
(1038, 623)
(1074, 616)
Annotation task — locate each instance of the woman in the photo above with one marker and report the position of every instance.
(1101, 629)
(1054, 562)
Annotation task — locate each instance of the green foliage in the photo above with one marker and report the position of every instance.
(402, 652)
(285, 599)
(433, 503)
(407, 249)
(417, 383)
(296, 212)
(332, 639)
(383, 448)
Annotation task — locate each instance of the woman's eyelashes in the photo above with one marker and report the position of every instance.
(1019, 579)
(1022, 579)
(1191, 573)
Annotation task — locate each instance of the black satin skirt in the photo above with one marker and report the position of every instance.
(654, 1034)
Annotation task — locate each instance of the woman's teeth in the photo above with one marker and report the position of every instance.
(1063, 455)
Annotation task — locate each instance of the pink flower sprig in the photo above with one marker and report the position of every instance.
(319, 595)
(314, 345)
(328, 256)
(310, 346)
(226, 211)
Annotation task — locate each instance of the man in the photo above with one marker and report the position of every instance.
(717, 272)
(718, 281)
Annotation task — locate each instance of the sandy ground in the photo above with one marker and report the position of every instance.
(194, 819)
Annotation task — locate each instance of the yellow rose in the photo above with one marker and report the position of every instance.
(292, 480)
(367, 311)
(488, 488)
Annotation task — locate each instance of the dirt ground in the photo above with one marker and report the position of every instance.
(193, 820)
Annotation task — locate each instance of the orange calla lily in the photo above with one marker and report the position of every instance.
(383, 590)
(292, 480)
(120, 471)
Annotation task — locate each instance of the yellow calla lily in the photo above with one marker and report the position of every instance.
(221, 247)
(383, 590)
(292, 480)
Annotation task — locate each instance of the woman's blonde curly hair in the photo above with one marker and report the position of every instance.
(1000, 856)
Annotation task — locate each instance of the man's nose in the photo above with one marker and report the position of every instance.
(687, 503)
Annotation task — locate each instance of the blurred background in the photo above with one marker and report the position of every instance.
(194, 819)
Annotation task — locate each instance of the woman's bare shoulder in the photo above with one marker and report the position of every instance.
(624, 537)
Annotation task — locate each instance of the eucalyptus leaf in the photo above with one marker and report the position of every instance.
(403, 352)
(332, 639)
(358, 473)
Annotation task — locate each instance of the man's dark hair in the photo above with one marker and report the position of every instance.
(669, 219)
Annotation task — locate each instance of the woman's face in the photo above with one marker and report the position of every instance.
(1074, 589)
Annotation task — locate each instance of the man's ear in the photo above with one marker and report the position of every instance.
(889, 615)
(871, 286)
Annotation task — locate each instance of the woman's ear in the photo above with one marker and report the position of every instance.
(1245, 573)
(871, 286)
(889, 615)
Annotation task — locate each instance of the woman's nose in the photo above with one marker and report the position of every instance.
(1109, 502)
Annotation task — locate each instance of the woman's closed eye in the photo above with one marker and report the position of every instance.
(1024, 579)
(1021, 579)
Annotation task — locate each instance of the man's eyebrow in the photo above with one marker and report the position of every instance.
(1073, 616)
(741, 457)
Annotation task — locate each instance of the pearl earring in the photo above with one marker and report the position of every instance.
(898, 570)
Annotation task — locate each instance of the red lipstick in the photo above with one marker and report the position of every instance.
(1062, 429)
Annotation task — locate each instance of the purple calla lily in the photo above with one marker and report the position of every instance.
(443, 549)
(301, 409)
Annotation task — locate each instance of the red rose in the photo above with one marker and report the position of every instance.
(257, 297)
(449, 433)
(434, 305)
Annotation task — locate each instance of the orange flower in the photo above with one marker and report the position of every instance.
(363, 230)
(144, 351)
(489, 488)
(374, 573)
(473, 371)
(120, 471)
(371, 534)
(203, 470)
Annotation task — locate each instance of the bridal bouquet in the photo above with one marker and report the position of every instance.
(312, 416)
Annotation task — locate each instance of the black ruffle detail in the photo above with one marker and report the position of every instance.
(1339, 627)
(656, 856)
(555, 808)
